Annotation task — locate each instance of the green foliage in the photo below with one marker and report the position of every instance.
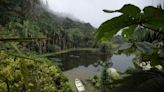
(132, 16)
(32, 19)
(96, 81)
(127, 32)
(141, 32)
(40, 76)
(109, 28)
(145, 47)
(105, 47)
(53, 48)
(23, 26)
(142, 35)
(130, 10)
(105, 81)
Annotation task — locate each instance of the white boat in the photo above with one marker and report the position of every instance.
(79, 85)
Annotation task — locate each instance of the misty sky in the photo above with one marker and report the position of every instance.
(91, 10)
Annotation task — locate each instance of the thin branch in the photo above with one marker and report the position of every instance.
(16, 48)
(8, 86)
(21, 39)
(24, 57)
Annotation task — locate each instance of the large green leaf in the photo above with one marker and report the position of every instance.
(129, 10)
(161, 52)
(121, 44)
(125, 46)
(151, 12)
(145, 47)
(154, 18)
(155, 25)
(112, 26)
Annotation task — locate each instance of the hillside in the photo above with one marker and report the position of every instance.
(34, 20)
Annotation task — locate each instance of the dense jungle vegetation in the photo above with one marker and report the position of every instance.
(33, 19)
(28, 28)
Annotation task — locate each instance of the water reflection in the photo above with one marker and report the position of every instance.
(75, 59)
(86, 64)
(122, 62)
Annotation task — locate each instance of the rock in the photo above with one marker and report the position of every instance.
(159, 67)
(113, 73)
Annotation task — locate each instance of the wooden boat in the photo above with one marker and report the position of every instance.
(79, 85)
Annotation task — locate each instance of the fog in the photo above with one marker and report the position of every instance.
(91, 10)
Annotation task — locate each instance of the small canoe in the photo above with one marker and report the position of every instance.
(79, 85)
